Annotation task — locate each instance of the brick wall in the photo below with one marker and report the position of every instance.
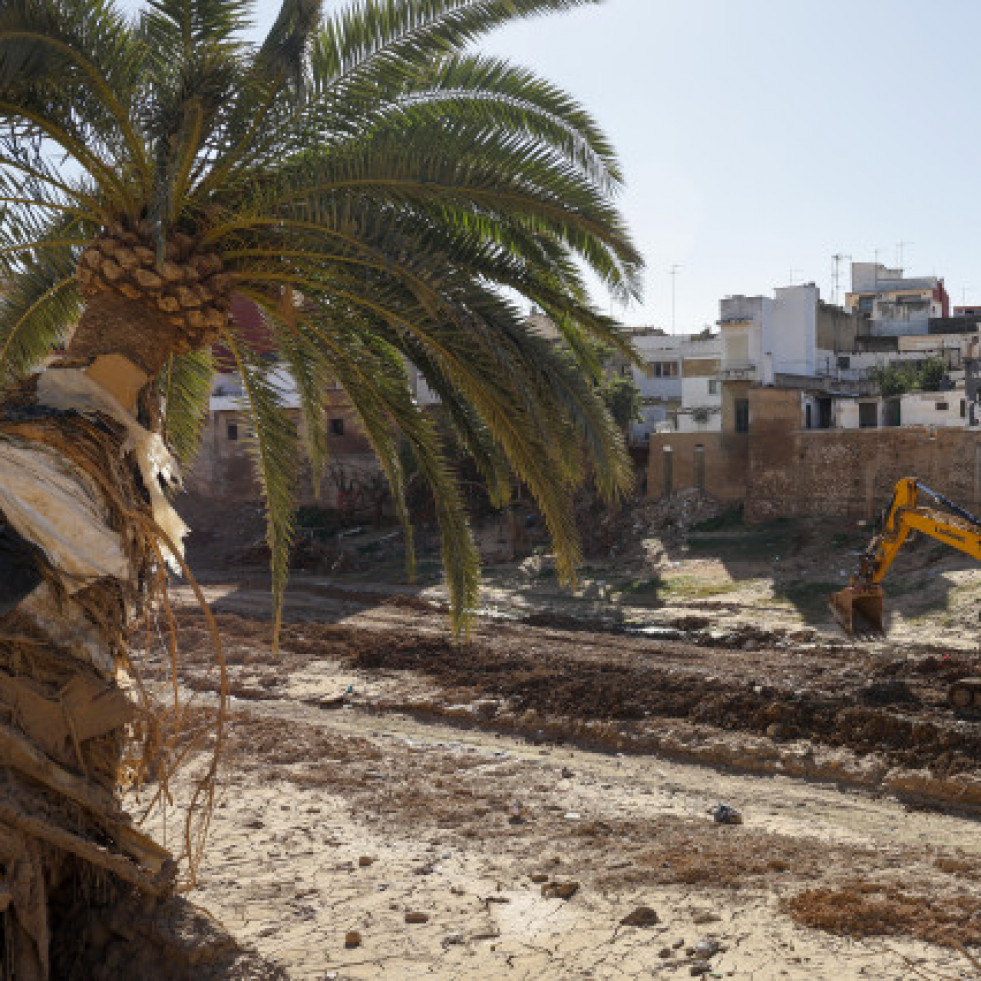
(724, 463)
(779, 469)
(853, 472)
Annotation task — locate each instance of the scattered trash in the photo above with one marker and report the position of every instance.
(665, 953)
(678, 944)
(567, 774)
(724, 814)
(573, 816)
(452, 939)
(352, 939)
(707, 947)
(642, 916)
(416, 917)
(699, 968)
(516, 816)
(539, 877)
(365, 860)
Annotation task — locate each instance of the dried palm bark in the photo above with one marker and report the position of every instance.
(85, 530)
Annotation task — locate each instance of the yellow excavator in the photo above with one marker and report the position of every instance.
(859, 607)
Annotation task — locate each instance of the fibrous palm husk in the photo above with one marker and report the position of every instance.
(84, 529)
(188, 285)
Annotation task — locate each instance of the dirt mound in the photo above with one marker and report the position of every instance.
(640, 688)
(866, 909)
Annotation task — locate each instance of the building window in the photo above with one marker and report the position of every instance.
(742, 415)
(963, 408)
(868, 415)
(844, 361)
(713, 386)
(232, 432)
(664, 369)
(337, 427)
(942, 406)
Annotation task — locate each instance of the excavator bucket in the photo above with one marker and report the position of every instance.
(859, 610)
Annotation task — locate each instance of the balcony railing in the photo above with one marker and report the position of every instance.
(738, 372)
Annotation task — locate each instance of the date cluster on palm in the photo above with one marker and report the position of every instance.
(80, 498)
(188, 284)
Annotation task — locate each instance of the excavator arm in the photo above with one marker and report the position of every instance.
(953, 526)
(859, 607)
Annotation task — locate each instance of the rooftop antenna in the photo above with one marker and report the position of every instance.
(792, 271)
(900, 248)
(838, 257)
(673, 273)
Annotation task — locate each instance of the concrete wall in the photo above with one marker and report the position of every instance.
(837, 328)
(921, 409)
(790, 331)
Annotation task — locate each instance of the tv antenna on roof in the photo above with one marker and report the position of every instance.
(673, 273)
(836, 277)
(900, 248)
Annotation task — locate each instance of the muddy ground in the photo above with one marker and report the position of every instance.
(537, 802)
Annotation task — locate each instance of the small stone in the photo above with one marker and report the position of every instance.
(352, 939)
(572, 816)
(706, 916)
(678, 944)
(665, 953)
(453, 938)
(699, 968)
(642, 916)
(560, 890)
(539, 877)
(567, 774)
(707, 947)
(774, 730)
(416, 917)
(365, 860)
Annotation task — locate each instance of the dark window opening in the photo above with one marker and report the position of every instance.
(232, 432)
(742, 415)
(868, 415)
(942, 406)
(337, 427)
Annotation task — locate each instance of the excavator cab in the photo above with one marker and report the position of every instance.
(859, 609)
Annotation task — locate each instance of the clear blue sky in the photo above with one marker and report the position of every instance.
(760, 137)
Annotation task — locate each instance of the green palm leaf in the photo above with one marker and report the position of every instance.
(411, 194)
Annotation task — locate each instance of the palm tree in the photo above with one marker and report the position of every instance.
(384, 194)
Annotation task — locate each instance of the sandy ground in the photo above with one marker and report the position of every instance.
(375, 771)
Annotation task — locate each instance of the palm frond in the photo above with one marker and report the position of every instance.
(273, 444)
(186, 389)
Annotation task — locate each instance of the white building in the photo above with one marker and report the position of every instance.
(764, 337)
(678, 382)
(893, 303)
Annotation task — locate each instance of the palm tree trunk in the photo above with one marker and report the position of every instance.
(76, 566)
